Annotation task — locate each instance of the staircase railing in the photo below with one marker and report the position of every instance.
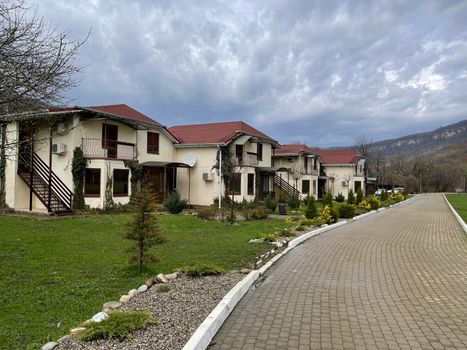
(291, 190)
(40, 169)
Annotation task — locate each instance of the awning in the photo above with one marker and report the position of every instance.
(272, 170)
(166, 164)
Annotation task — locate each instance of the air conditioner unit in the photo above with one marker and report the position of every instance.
(61, 128)
(344, 183)
(59, 148)
(208, 177)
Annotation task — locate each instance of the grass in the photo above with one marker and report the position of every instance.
(459, 202)
(57, 273)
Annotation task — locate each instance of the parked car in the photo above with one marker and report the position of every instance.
(398, 190)
(379, 191)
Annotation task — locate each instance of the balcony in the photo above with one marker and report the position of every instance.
(108, 149)
(246, 159)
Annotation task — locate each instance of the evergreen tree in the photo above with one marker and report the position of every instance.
(351, 197)
(359, 196)
(311, 211)
(144, 229)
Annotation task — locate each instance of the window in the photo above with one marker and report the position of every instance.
(251, 184)
(236, 184)
(120, 182)
(306, 164)
(239, 153)
(314, 186)
(153, 142)
(110, 139)
(305, 186)
(92, 182)
(259, 151)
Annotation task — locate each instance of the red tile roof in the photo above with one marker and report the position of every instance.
(213, 133)
(293, 149)
(338, 156)
(121, 110)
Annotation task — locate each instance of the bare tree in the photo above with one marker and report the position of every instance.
(36, 61)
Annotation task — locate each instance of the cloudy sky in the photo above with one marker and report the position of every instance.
(322, 72)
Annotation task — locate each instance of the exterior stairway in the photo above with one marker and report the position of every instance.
(45, 184)
(284, 185)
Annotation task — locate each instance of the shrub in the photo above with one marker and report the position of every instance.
(384, 195)
(327, 200)
(364, 205)
(325, 215)
(351, 197)
(347, 211)
(294, 202)
(207, 213)
(311, 211)
(174, 203)
(270, 203)
(119, 325)
(374, 202)
(270, 237)
(291, 220)
(306, 222)
(340, 198)
(256, 213)
(335, 214)
(359, 196)
(397, 197)
(285, 232)
(162, 288)
(199, 270)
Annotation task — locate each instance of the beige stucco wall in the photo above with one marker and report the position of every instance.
(345, 173)
(297, 162)
(166, 147)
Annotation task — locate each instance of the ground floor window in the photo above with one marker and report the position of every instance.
(314, 186)
(251, 184)
(236, 184)
(358, 185)
(92, 182)
(120, 180)
(305, 186)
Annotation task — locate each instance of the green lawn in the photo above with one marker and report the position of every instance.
(57, 273)
(459, 202)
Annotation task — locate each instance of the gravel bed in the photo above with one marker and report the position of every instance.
(179, 313)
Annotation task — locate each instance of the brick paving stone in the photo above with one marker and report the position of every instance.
(394, 280)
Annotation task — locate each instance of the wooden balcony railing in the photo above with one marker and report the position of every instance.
(104, 149)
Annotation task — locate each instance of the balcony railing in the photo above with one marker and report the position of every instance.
(104, 149)
(246, 159)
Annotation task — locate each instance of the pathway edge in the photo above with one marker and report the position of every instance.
(456, 215)
(203, 335)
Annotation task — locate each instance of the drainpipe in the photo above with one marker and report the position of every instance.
(50, 170)
(220, 177)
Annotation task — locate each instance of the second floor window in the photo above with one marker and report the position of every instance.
(259, 151)
(306, 164)
(153, 142)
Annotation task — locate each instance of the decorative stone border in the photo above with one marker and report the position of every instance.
(203, 335)
(109, 306)
(456, 215)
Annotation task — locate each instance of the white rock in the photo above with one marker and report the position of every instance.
(142, 288)
(161, 278)
(245, 271)
(77, 330)
(49, 346)
(171, 276)
(112, 305)
(125, 299)
(256, 240)
(132, 293)
(99, 317)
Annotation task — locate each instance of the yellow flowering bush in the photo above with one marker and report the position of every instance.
(364, 205)
(374, 202)
(325, 215)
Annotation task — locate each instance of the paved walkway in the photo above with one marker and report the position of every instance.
(395, 280)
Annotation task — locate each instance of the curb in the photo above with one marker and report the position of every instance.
(457, 216)
(203, 335)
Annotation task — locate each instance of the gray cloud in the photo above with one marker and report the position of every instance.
(320, 71)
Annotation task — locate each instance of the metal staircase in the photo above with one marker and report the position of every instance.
(284, 185)
(44, 183)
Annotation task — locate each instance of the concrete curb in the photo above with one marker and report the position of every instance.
(457, 216)
(203, 335)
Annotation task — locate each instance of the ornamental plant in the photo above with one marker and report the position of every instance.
(327, 200)
(325, 215)
(384, 195)
(311, 211)
(375, 203)
(359, 196)
(347, 211)
(270, 203)
(364, 205)
(340, 198)
(351, 197)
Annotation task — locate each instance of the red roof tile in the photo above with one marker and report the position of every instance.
(214, 132)
(338, 156)
(121, 110)
(293, 149)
